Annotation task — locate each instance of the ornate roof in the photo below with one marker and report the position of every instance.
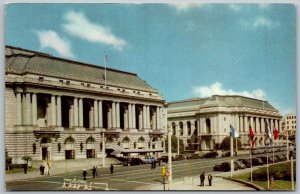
(22, 61)
(221, 101)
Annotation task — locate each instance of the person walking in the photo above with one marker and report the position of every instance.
(202, 179)
(84, 173)
(93, 171)
(210, 179)
(41, 169)
(96, 171)
(111, 169)
(25, 166)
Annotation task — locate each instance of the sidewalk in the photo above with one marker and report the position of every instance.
(193, 183)
(59, 167)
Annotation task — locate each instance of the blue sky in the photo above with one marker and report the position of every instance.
(183, 50)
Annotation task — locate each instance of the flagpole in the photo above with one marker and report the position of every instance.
(251, 163)
(268, 168)
(105, 62)
(231, 153)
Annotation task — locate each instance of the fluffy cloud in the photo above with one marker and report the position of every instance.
(262, 21)
(185, 6)
(217, 89)
(235, 7)
(77, 24)
(50, 39)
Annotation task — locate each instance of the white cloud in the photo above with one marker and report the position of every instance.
(262, 21)
(50, 39)
(185, 6)
(80, 26)
(259, 22)
(263, 5)
(217, 89)
(235, 7)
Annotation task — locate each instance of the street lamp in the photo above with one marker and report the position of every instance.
(292, 165)
(267, 143)
(169, 153)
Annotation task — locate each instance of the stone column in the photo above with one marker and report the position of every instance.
(246, 124)
(276, 124)
(75, 112)
(113, 114)
(96, 122)
(251, 123)
(257, 125)
(148, 117)
(100, 114)
(53, 111)
(118, 114)
(154, 121)
(185, 129)
(280, 126)
(34, 109)
(241, 124)
(157, 118)
(125, 116)
(272, 125)
(144, 117)
(28, 112)
(58, 111)
(109, 118)
(18, 109)
(263, 125)
(133, 116)
(237, 122)
(80, 112)
(129, 115)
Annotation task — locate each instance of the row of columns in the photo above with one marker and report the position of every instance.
(26, 113)
(185, 128)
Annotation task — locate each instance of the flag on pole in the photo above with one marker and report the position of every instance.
(251, 133)
(233, 132)
(275, 133)
(268, 132)
(105, 58)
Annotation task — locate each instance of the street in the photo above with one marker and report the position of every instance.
(124, 177)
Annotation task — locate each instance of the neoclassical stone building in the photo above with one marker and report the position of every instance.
(203, 123)
(61, 109)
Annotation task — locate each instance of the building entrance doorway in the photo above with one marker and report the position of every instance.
(44, 153)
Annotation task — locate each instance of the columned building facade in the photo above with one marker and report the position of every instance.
(203, 123)
(61, 109)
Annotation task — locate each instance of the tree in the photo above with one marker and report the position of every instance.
(225, 145)
(174, 145)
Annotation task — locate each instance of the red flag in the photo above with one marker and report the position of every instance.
(251, 135)
(276, 133)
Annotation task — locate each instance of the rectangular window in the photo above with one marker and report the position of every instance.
(41, 79)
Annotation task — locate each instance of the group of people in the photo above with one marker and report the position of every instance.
(95, 171)
(202, 179)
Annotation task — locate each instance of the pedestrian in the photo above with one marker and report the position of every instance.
(111, 169)
(84, 173)
(159, 162)
(93, 171)
(154, 163)
(202, 178)
(96, 171)
(25, 168)
(210, 179)
(41, 169)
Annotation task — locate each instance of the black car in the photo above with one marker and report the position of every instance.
(246, 162)
(193, 156)
(225, 166)
(240, 164)
(217, 167)
(132, 161)
(257, 162)
(179, 157)
(265, 158)
(226, 154)
(211, 154)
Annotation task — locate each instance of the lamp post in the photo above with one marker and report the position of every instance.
(292, 166)
(267, 142)
(169, 154)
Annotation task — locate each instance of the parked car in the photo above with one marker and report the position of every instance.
(149, 159)
(225, 166)
(264, 159)
(132, 161)
(178, 157)
(212, 154)
(193, 156)
(217, 167)
(257, 162)
(240, 164)
(225, 154)
(246, 162)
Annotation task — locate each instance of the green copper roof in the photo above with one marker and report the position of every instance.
(24, 61)
(221, 101)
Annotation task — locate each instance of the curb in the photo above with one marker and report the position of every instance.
(252, 185)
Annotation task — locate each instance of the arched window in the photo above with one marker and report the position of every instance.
(189, 127)
(181, 128)
(140, 143)
(90, 147)
(69, 148)
(173, 128)
(126, 143)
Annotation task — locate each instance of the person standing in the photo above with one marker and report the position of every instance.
(93, 171)
(202, 179)
(41, 169)
(111, 169)
(84, 173)
(210, 179)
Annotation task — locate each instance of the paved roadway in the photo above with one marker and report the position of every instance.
(124, 177)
